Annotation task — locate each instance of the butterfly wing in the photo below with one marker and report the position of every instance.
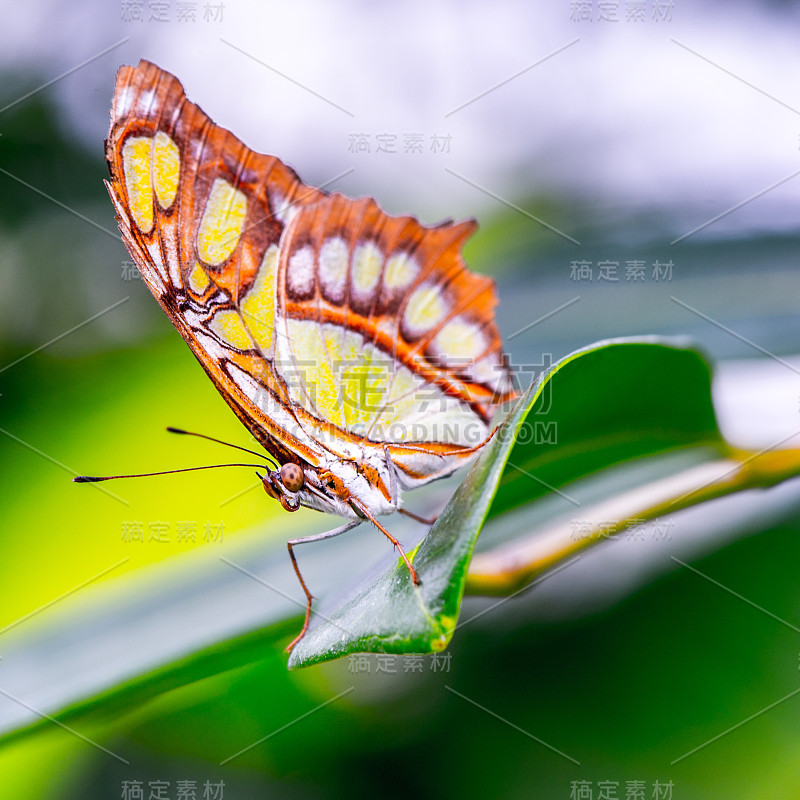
(202, 216)
(330, 328)
(385, 339)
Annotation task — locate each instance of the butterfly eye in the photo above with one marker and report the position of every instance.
(292, 477)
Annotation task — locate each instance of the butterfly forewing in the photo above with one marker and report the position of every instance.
(202, 216)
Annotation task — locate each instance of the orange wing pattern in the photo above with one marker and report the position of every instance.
(405, 287)
(326, 325)
(199, 213)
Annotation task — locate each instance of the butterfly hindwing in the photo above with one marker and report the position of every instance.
(383, 333)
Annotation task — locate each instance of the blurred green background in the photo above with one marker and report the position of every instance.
(625, 679)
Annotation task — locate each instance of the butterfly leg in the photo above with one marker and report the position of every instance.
(317, 537)
(363, 511)
(417, 517)
(393, 489)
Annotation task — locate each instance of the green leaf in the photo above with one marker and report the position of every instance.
(607, 403)
(630, 416)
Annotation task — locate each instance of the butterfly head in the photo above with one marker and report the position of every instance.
(284, 484)
(329, 488)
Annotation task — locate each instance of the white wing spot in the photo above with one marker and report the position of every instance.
(300, 274)
(145, 101)
(367, 263)
(401, 269)
(282, 209)
(459, 342)
(426, 308)
(333, 260)
(124, 101)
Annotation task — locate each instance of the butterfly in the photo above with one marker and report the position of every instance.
(356, 347)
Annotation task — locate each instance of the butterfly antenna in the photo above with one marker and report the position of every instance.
(95, 479)
(219, 441)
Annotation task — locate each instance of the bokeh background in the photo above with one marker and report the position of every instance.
(635, 167)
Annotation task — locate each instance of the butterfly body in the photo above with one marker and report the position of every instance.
(333, 487)
(356, 347)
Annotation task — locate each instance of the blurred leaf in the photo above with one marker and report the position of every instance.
(119, 645)
(35, 148)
